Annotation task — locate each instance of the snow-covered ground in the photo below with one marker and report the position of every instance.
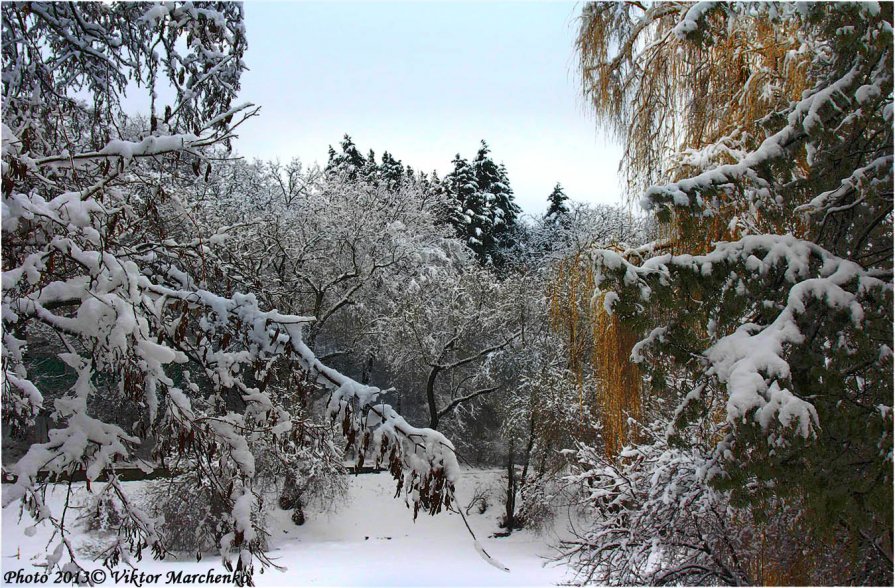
(370, 540)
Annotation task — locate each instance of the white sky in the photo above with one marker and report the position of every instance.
(425, 81)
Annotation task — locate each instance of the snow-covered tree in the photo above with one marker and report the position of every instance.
(465, 210)
(481, 206)
(541, 242)
(765, 313)
(451, 327)
(349, 162)
(558, 207)
(140, 313)
(497, 202)
(391, 172)
(337, 249)
(354, 166)
(660, 523)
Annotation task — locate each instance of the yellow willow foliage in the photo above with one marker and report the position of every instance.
(688, 234)
(619, 378)
(599, 343)
(743, 76)
(661, 95)
(570, 313)
(685, 233)
(664, 96)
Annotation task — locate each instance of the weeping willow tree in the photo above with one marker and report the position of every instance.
(599, 349)
(760, 137)
(676, 99)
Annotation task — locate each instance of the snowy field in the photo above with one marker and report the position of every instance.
(371, 540)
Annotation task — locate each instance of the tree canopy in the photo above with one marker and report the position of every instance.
(106, 269)
(760, 136)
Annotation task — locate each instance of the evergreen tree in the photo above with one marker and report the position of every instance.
(466, 207)
(370, 172)
(487, 174)
(557, 223)
(770, 326)
(506, 212)
(349, 162)
(482, 210)
(391, 172)
(558, 210)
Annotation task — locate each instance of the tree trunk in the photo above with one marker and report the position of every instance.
(310, 337)
(368, 370)
(430, 397)
(509, 518)
(527, 457)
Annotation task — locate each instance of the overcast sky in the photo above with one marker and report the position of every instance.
(425, 81)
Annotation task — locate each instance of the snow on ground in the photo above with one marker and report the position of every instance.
(371, 540)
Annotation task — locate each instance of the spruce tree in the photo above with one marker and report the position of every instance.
(558, 209)
(370, 172)
(487, 176)
(468, 209)
(349, 162)
(494, 204)
(391, 172)
(505, 208)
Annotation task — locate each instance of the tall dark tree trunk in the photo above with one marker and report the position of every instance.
(430, 397)
(509, 518)
(368, 369)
